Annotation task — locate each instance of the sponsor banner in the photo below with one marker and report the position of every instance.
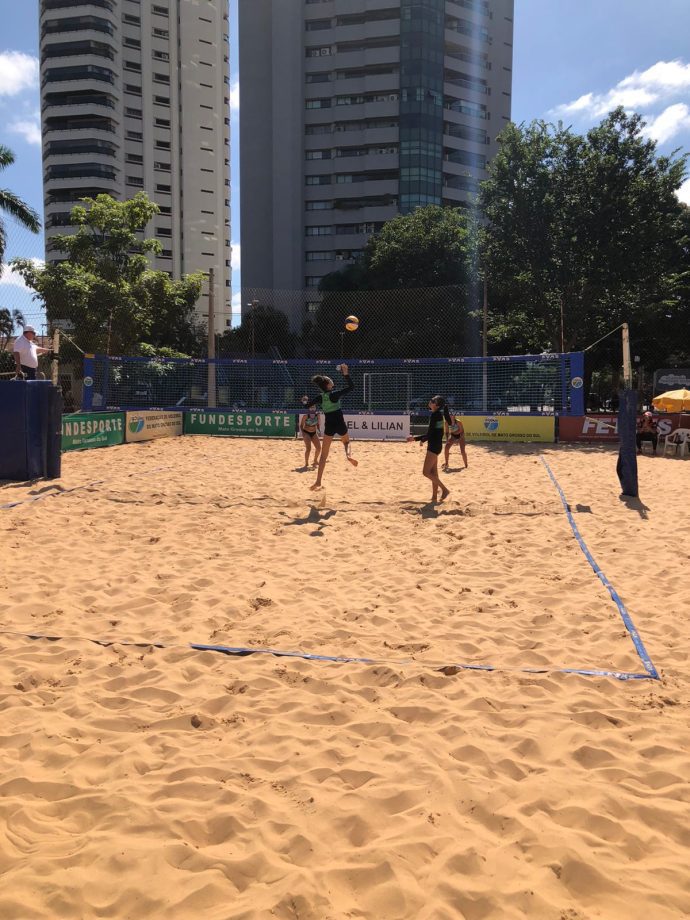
(97, 429)
(378, 427)
(671, 378)
(605, 427)
(509, 428)
(145, 426)
(228, 424)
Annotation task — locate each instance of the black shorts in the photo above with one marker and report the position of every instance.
(29, 372)
(310, 434)
(335, 424)
(434, 447)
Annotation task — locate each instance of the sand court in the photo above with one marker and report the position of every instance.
(258, 787)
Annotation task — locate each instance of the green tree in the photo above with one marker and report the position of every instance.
(413, 288)
(12, 206)
(105, 290)
(264, 331)
(584, 227)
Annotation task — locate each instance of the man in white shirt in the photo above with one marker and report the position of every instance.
(26, 353)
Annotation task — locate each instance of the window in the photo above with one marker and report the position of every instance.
(163, 231)
(161, 100)
(135, 180)
(131, 20)
(318, 129)
(318, 180)
(166, 254)
(317, 25)
(134, 158)
(132, 89)
(165, 209)
(159, 10)
(133, 113)
(162, 122)
(318, 205)
(318, 154)
(322, 230)
(312, 281)
(161, 78)
(161, 55)
(161, 33)
(323, 256)
(324, 51)
(132, 65)
(318, 103)
(323, 76)
(163, 145)
(161, 167)
(79, 72)
(166, 189)
(131, 42)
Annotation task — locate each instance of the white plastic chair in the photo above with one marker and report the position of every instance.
(679, 441)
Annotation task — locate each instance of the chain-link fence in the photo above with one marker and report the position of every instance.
(409, 326)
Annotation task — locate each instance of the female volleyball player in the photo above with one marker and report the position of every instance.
(455, 434)
(309, 426)
(434, 444)
(329, 403)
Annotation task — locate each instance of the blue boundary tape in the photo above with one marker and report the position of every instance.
(245, 652)
(652, 672)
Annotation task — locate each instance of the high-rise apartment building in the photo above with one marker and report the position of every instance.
(353, 111)
(135, 96)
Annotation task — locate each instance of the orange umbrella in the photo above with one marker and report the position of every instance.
(673, 401)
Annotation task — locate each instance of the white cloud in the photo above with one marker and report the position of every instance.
(671, 121)
(29, 129)
(684, 192)
(10, 278)
(639, 90)
(18, 72)
(236, 257)
(235, 96)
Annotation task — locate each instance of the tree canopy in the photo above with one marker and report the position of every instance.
(105, 290)
(12, 206)
(590, 225)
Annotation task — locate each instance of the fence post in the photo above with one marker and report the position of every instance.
(485, 330)
(211, 388)
(54, 367)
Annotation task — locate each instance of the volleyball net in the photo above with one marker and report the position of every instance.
(548, 384)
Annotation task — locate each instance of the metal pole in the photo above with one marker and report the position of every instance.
(253, 400)
(485, 350)
(627, 363)
(211, 394)
(54, 367)
(342, 344)
(562, 329)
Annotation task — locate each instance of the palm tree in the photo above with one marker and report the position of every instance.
(12, 205)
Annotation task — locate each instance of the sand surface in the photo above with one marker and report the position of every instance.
(143, 782)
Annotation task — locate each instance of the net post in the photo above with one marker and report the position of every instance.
(485, 369)
(577, 395)
(87, 397)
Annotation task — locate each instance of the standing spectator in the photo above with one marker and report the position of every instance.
(647, 431)
(26, 353)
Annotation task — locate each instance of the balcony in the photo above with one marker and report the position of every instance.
(70, 123)
(80, 171)
(79, 98)
(77, 147)
(77, 24)
(82, 48)
(49, 5)
(78, 72)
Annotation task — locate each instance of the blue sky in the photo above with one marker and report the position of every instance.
(573, 60)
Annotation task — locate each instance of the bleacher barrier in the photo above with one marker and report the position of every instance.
(30, 413)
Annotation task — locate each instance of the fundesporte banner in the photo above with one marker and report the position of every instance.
(231, 424)
(97, 429)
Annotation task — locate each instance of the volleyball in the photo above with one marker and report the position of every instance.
(352, 324)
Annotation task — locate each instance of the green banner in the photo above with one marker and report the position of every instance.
(258, 424)
(97, 429)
